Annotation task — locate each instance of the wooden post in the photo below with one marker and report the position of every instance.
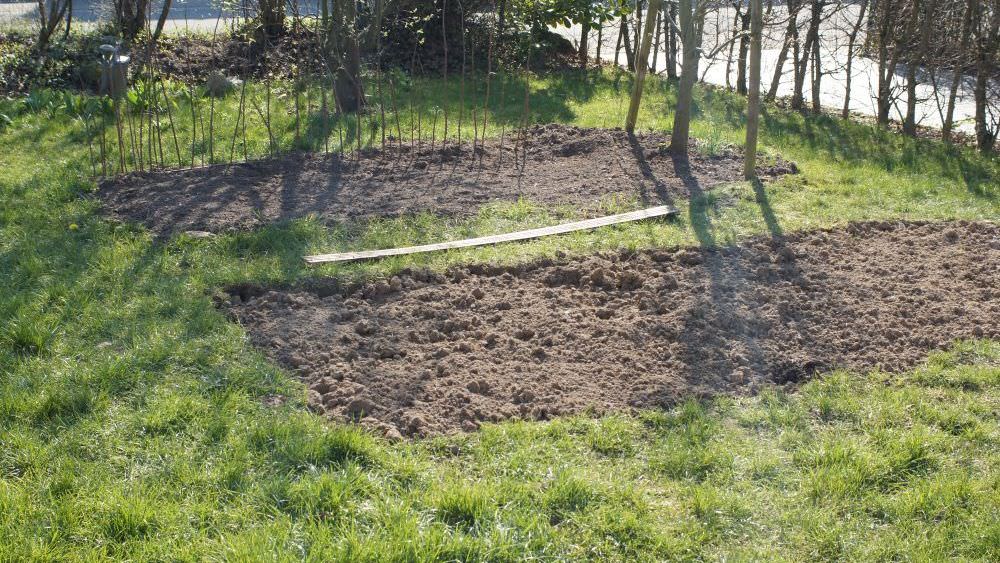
(753, 95)
(642, 64)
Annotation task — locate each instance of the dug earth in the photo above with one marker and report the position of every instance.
(426, 353)
(546, 164)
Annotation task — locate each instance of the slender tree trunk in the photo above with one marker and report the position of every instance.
(272, 17)
(737, 27)
(618, 44)
(600, 43)
(985, 136)
(791, 36)
(656, 42)
(69, 19)
(949, 115)
(753, 96)
(690, 24)
(922, 17)
(640, 70)
(802, 63)
(162, 21)
(986, 54)
(817, 73)
(629, 54)
(638, 25)
(348, 87)
(852, 41)
(741, 67)
(910, 121)
(885, 72)
(956, 80)
(672, 47)
(889, 50)
(49, 21)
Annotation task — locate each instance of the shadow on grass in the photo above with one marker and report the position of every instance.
(760, 195)
(861, 143)
(851, 142)
(698, 202)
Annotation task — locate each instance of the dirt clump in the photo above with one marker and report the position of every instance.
(613, 332)
(553, 165)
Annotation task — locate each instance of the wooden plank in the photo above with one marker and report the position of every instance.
(588, 224)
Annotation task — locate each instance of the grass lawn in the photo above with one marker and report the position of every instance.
(133, 422)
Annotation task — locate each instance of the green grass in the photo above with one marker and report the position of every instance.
(132, 423)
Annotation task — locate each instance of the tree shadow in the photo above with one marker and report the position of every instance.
(770, 219)
(698, 202)
(858, 143)
(660, 189)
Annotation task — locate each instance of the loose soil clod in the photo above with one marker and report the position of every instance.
(427, 353)
(565, 165)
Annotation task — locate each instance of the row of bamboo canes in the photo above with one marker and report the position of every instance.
(139, 130)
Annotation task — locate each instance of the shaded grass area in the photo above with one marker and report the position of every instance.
(133, 419)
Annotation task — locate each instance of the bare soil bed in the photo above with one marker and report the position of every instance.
(427, 353)
(563, 165)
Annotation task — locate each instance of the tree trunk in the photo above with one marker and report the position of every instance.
(753, 96)
(910, 121)
(640, 69)
(584, 51)
(817, 74)
(600, 41)
(729, 57)
(852, 41)
(618, 44)
(791, 35)
(656, 43)
(922, 17)
(345, 55)
(987, 46)
(956, 80)
(272, 17)
(741, 67)
(629, 54)
(638, 24)
(985, 136)
(802, 64)
(672, 43)
(69, 19)
(888, 56)
(130, 17)
(162, 21)
(49, 21)
(691, 29)
(949, 115)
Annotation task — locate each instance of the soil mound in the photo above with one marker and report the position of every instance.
(552, 165)
(427, 353)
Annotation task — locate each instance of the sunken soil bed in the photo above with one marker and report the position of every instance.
(562, 166)
(426, 353)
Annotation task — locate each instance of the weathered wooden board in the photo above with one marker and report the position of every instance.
(660, 211)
